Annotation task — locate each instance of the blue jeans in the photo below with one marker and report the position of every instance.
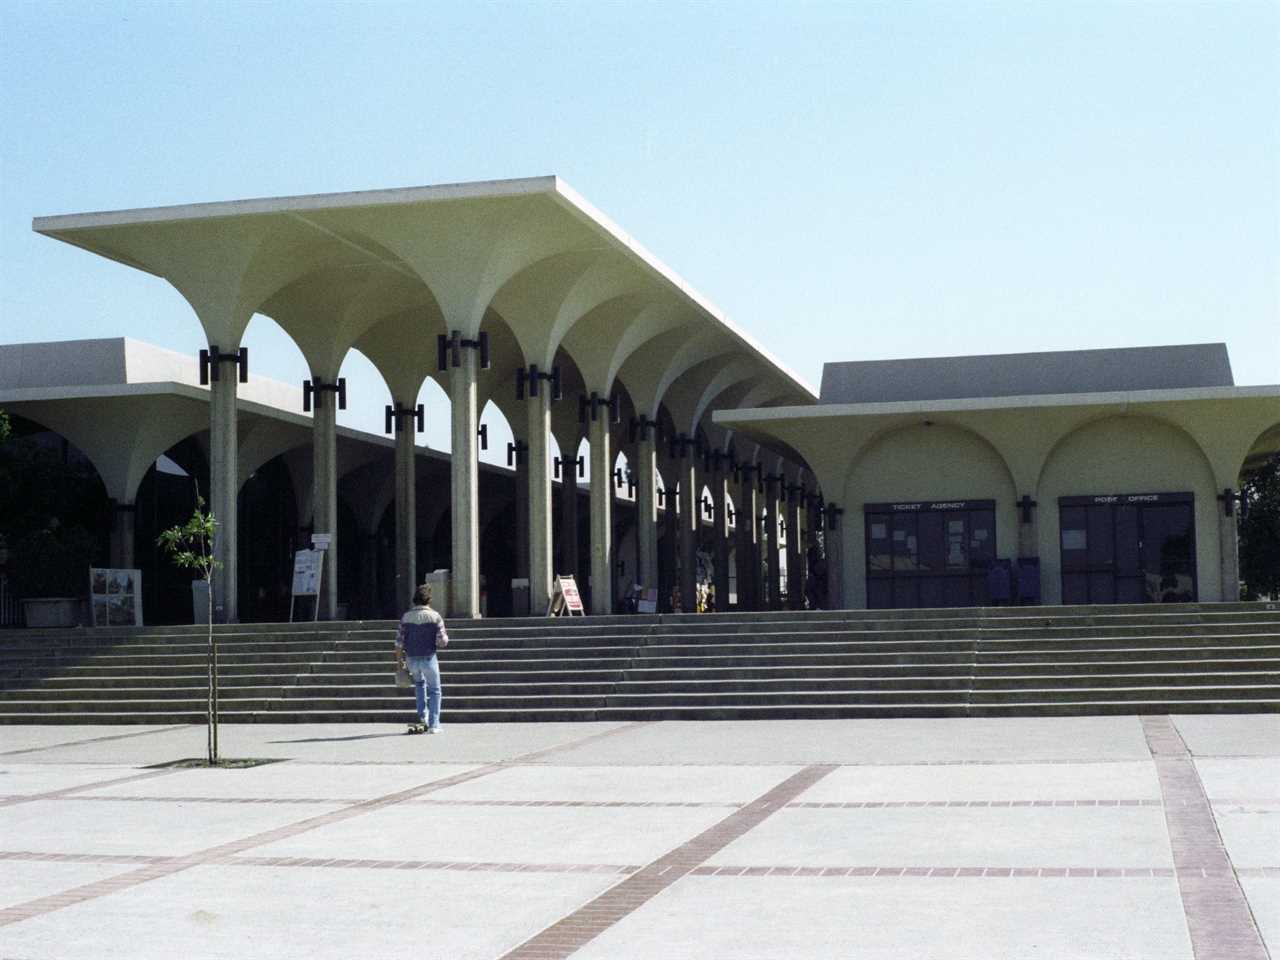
(426, 674)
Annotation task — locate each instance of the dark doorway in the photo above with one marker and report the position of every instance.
(1128, 548)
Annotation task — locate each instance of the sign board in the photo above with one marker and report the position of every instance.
(565, 599)
(306, 572)
(115, 597)
(308, 567)
(648, 602)
(321, 541)
(927, 505)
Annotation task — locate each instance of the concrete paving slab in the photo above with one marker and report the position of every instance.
(30, 778)
(1263, 894)
(1087, 837)
(728, 785)
(1135, 780)
(386, 743)
(1255, 778)
(330, 743)
(157, 828)
(1250, 834)
(1230, 735)
(504, 834)
(534, 834)
(25, 880)
(769, 918)
(306, 914)
(959, 740)
(284, 781)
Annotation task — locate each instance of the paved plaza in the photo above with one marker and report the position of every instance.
(1095, 837)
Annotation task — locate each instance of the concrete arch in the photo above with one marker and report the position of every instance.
(590, 339)
(608, 279)
(402, 346)
(1131, 453)
(325, 312)
(464, 253)
(913, 462)
(1262, 449)
(123, 442)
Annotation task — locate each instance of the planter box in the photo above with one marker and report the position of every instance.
(51, 611)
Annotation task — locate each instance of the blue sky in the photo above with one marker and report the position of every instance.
(847, 181)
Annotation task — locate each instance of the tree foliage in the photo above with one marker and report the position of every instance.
(1260, 533)
(190, 546)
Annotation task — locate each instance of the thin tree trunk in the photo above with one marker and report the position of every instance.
(212, 722)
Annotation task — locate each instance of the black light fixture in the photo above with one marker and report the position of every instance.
(398, 414)
(211, 360)
(316, 386)
(449, 349)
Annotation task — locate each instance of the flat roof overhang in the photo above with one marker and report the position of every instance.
(826, 436)
(356, 235)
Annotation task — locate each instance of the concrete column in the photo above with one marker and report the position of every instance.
(538, 495)
(223, 479)
(773, 598)
(1028, 534)
(521, 504)
(647, 511)
(720, 494)
(601, 514)
(406, 507)
(835, 565)
(1229, 541)
(670, 533)
(465, 480)
(122, 535)
(795, 552)
(324, 459)
(748, 545)
(690, 510)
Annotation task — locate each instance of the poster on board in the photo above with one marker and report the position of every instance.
(115, 597)
(307, 568)
(565, 599)
(306, 572)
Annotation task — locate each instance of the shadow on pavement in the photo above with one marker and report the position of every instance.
(332, 740)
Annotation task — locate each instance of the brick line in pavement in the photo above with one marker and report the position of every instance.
(11, 801)
(76, 743)
(1218, 917)
(571, 932)
(157, 870)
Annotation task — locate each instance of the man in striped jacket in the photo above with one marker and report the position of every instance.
(421, 633)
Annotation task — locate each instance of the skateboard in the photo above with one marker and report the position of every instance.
(417, 728)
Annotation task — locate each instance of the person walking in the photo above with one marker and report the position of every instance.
(420, 635)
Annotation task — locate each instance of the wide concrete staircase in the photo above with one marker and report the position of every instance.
(975, 662)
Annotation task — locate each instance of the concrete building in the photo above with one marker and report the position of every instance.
(908, 481)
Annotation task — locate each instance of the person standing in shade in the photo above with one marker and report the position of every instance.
(420, 635)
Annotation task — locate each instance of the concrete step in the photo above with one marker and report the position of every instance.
(876, 663)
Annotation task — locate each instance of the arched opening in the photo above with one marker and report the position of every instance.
(437, 431)
(268, 515)
(366, 394)
(55, 517)
(1128, 513)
